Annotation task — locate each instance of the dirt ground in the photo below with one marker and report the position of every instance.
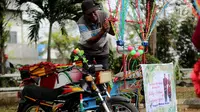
(181, 108)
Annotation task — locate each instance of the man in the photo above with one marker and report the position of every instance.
(9, 67)
(94, 26)
(169, 89)
(165, 82)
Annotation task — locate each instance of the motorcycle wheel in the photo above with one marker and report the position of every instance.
(123, 107)
(34, 107)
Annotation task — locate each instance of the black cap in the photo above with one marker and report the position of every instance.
(88, 6)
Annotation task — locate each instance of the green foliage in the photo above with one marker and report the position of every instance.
(53, 11)
(174, 36)
(116, 64)
(8, 82)
(3, 32)
(35, 26)
(151, 59)
(63, 44)
(111, 59)
(165, 34)
(177, 71)
(184, 47)
(78, 57)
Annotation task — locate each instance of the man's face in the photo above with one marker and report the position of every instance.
(92, 16)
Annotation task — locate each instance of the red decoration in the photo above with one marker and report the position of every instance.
(196, 35)
(141, 48)
(75, 51)
(195, 77)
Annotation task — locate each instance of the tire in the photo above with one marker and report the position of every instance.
(20, 107)
(32, 107)
(128, 106)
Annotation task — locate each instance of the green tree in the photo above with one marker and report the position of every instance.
(164, 41)
(2, 14)
(3, 32)
(53, 11)
(64, 44)
(185, 49)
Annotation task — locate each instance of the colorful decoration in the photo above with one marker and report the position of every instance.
(141, 52)
(130, 48)
(195, 77)
(38, 69)
(76, 51)
(197, 6)
(144, 21)
(123, 13)
(144, 25)
(81, 103)
(194, 11)
(133, 52)
(145, 43)
(141, 47)
(120, 42)
(79, 54)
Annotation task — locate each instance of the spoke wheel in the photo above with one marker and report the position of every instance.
(33, 108)
(123, 107)
(120, 108)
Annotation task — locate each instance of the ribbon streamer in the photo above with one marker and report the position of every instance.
(190, 6)
(197, 6)
(156, 18)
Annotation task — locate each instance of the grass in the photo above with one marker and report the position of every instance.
(8, 108)
(185, 92)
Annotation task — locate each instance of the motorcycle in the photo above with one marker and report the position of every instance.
(90, 93)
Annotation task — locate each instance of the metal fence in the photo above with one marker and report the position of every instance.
(16, 76)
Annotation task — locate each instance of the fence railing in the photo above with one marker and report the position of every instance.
(186, 73)
(8, 89)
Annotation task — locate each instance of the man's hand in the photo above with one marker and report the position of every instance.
(106, 26)
(96, 38)
(112, 19)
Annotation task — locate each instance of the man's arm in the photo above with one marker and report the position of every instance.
(103, 30)
(96, 38)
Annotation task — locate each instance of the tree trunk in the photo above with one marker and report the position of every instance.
(2, 42)
(49, 43)
(3, 62)
(153, 42)
(64, 60)
(1, 37)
